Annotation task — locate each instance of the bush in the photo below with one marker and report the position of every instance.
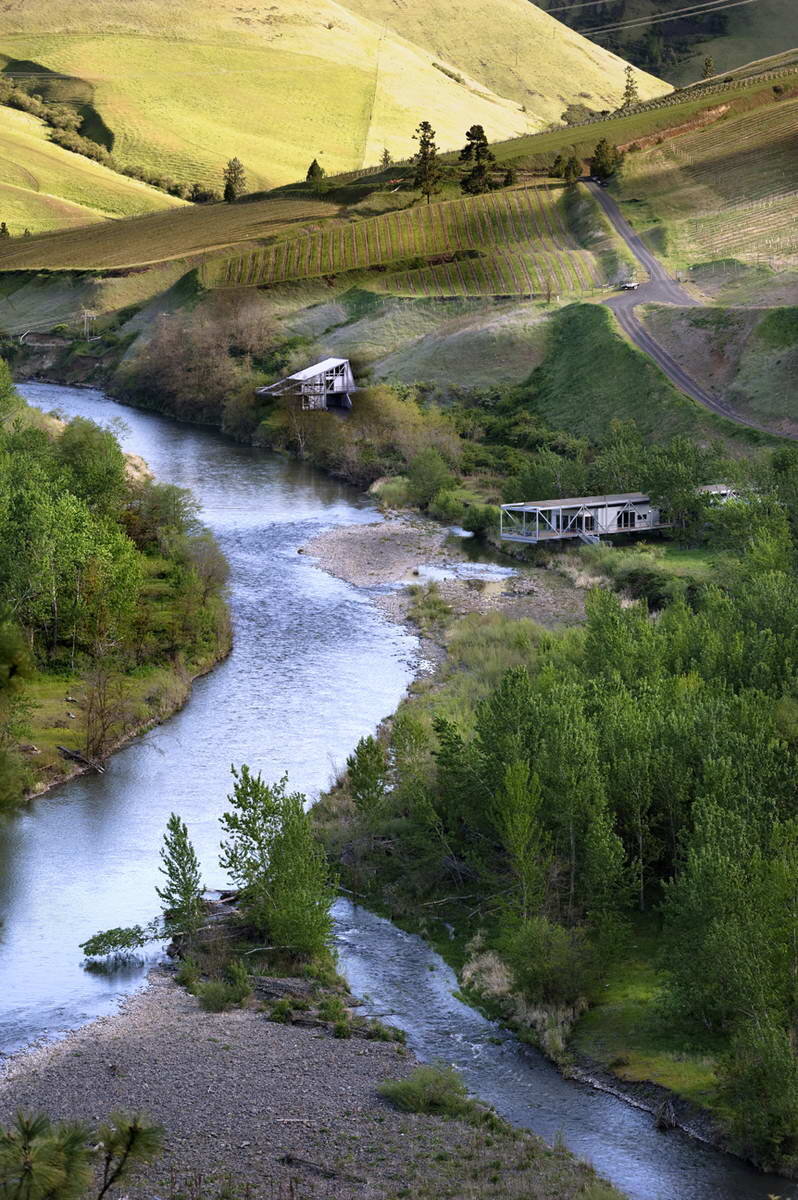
(239, 981)
(479, 518)
(436, 1089)
(427, 476)
(216, 996)
(551, 964)
(446, 506)
(394, 492)
(188, 974)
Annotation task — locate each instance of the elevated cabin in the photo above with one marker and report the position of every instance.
(325, 385)
(588, 517)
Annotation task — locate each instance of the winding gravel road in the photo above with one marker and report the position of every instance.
(661, 289)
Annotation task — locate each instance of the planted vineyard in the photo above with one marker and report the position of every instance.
(734, 189)
(510, 243)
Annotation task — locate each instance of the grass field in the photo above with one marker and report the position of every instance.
(183, 86)
(43, 187)
(727, 190)
(194, 230)
(514, 242)
(624, 1032)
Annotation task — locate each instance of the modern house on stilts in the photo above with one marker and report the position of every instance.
(589, 517)
(325, 385)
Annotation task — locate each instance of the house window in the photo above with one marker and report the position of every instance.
(627, 518)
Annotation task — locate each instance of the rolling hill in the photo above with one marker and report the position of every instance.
(43, 187)
(180, 87)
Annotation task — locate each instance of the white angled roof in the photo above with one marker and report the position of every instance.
(318, 368)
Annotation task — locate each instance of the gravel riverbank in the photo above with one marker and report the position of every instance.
(254, 1109)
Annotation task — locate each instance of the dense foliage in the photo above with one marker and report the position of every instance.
(101, 574)
(559, 782)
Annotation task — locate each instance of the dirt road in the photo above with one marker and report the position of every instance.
(661, 289)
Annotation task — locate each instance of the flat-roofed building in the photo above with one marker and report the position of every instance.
(588, 517)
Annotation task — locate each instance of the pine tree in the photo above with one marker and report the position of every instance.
(182, 892)
(235, 181)
(385, 158)
(4, 230)
(315, 173)
(557, 168)
(631, 95)
(606, 161)
(427, 174)
(509, 177)
(709, 67)
(572, 170)
(478, 152)
(367, 768)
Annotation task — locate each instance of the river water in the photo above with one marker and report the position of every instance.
(315, 666)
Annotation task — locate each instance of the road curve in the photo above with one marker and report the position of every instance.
(661, 289)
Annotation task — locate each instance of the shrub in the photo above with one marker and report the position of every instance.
(188, 974)
(281, 1011)
(394, 492)
(446, 506)
(550, 964)
(436, 1089)
(238, 978)
(428, 475)
(216, 996)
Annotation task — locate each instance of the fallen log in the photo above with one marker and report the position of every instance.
(76, 756)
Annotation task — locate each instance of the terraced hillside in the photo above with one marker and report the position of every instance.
(182, 85)
(509, 243)
(43, 187)
(728, 190)
(161, 237)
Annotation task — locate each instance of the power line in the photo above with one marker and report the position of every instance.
(693, 10)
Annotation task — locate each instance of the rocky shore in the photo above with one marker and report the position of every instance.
(407, 549)
(254, 1109)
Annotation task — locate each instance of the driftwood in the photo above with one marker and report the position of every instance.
(279, 989)
(665, 1116)
(291, 1160)
(76, 756)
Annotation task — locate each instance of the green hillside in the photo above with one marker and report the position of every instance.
(43, 187)
(518, 241)
(182, 86)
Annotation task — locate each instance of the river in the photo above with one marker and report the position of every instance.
(315, 666)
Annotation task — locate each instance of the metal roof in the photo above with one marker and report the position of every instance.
(584, 501)
(318, 368)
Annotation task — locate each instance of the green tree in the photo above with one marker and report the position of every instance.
(315, 175)
(709, 67)
(516, 814)
(572, 171)
(510, 177)
(428, 474)
(557, 168)
(607, 160)
(367, 770)
(478, 153)
(182, 893)
(271, 853)
(234, 180)
(427, 170)
(386, 158)
(631, 94)
(4, 230)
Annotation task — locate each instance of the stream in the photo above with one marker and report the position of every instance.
(315, 666)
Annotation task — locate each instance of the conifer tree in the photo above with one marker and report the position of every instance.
(182, 892)
(235, 180)
(572, 170)
(427, 173)
(315, 173)
(4, 230)
(367, 768)
(709, 67)
(631, 95)
(478, 152)
(385, 158)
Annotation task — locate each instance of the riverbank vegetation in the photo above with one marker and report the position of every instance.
(112, 595)
(605, 816)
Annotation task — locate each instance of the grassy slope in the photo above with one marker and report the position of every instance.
(43, 187)
(729, 189)
(195, 229)
(184, 85)
(591, 376)
(750, 355)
